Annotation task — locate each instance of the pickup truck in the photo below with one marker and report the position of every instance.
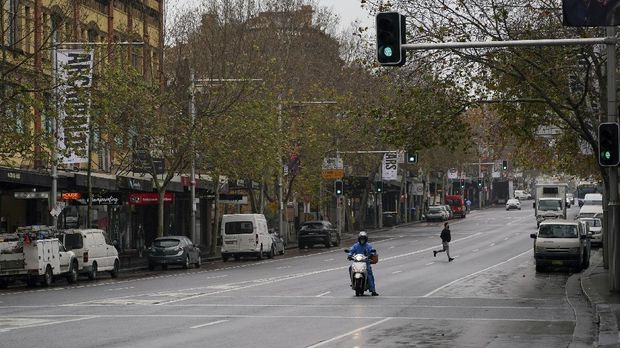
(24, 257)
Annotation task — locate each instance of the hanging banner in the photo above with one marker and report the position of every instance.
(389, 167)
(453, 173)
(75, 72)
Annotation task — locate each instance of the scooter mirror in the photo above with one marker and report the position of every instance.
(373, 251)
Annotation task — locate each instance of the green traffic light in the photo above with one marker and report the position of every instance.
(388, 52)
(606, 155)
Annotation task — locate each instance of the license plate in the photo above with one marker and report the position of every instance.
(231, 242)
(557, 262)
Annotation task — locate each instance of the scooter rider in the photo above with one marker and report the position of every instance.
(363, 247)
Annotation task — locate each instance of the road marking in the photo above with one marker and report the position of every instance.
(506, 238)
(492, 244)
(123, 288)
(475, 273)
(323, 294)
(430, 263)
(455, 256)
(391, 247)
(328, 260)
(475, 250)
(48, 323)
(283, 267)
(396, 272)
(322, 343)
(209, 324)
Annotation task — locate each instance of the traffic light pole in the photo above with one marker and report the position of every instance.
(612, 211)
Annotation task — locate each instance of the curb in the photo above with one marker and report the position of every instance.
(604, 316)
(145, 266)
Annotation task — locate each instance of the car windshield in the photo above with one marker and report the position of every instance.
(434, 210)
(594, 223)
(73, 241)
(557, 231)
(597, 202)
(513, 201)
(454, 202)
(549, 205)
(239, 227)
(165, 243)
(312, 226)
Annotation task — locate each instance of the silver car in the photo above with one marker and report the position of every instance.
(594, 228)
(436, 213)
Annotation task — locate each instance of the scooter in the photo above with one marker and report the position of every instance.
(359, 273)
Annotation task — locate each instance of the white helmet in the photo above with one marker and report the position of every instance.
(362, 237)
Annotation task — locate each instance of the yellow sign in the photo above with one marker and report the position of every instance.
(332, 174)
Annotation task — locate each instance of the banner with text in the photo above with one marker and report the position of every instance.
(389, 167)
(75, 73)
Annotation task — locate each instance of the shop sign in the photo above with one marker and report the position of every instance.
(133, 183)
(71, 196)
(149, 198)
(14, 176)
(233, 199)
(110, 198)
(31, 195)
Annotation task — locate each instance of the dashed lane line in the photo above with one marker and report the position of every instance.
(209, 324)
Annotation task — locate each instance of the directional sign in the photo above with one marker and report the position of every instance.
(333, 168)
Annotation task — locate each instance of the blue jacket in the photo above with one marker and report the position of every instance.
(357, 248)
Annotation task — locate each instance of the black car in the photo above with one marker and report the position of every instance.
(318, 232)
(173, 250)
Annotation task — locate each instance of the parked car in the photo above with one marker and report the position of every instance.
(246, 235)
(278, 242)
(522, 195)
(173, 250)
(594, 228)
(436, 213)
(513, 203)
(92, 250)
(561, 243)
(447, 209)
(318, 232)
(390, 218)
(457, 205)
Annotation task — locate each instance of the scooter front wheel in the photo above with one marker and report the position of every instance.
(359, 287)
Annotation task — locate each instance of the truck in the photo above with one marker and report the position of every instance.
(550, 202)
(457, 205)
(25, 257)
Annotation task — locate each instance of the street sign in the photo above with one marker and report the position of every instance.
(57, 209)
(332, 169)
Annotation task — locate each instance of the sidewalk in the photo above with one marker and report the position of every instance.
(606, 304)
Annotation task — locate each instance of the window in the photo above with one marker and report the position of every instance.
(13, 23)
(73, 241)
(558, 231)
(165, 243)
(239, 227)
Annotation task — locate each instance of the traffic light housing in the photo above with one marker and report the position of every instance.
(391, 31)
(479, 183)
(462, 183)
(379, 186)
(412, 157)
(608, 144)
(338, 187)
(504, 165)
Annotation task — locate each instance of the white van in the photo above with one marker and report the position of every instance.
(592, 206)
(245, 234)
(92, 251)
(561, 243)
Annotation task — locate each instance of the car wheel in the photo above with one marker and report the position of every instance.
(186, 264)
(198, 261)
(72, 277)
(114, 271)
(151, 266)
(48, 276)
(281, 251)
(93, 272)
(225, 257)
(164, 267)
(272, 252)
(237, 257)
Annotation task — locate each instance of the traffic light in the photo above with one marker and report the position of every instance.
(608, 145)
(391, 33)
(379, 186)
(504, 165)
(462, 183)
(338, 187)
(479, 183)
(412, 157)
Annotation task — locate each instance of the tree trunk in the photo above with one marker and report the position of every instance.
(160, 214)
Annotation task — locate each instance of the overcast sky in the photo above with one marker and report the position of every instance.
(348, 10)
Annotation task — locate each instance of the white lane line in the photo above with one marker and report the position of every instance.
(475, 250)
(328, 260)
(396, 272)
(391, 247)
(283, 267)
(492, 244)
(506, 238)
(429, 248)
(323, 294)
(475, 273)
(209, 324)
(49, 323)
(430, 263)
(322, 343)
(455, 256)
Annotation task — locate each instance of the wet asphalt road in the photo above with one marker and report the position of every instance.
(490, 296)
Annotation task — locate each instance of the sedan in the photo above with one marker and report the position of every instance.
(436, 214)
(594, 228)
(318, 232)
(513, 203)
(173, 250)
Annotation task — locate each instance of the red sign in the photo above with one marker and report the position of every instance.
(149, 198)
(71, 196)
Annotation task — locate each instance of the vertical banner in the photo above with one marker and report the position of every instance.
(75, 72)
(389, 167)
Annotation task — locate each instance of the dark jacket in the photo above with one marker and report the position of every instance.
(445, 235)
